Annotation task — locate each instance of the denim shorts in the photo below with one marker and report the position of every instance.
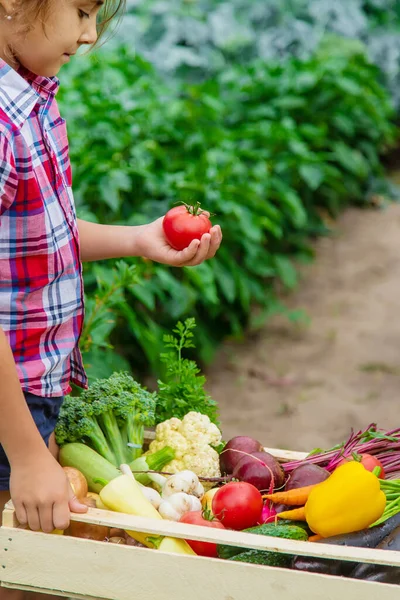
(44, 412)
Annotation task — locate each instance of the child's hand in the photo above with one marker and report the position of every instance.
(41, 494)
(151, 244)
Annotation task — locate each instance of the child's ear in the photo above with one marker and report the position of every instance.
(8, 7)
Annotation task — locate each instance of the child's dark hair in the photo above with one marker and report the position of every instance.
(38, 9)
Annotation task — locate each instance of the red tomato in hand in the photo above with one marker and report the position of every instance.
(202, 548)
(238, 505)
(369, 462)
(182, 224)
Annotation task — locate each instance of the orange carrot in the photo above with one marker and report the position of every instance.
(315, 538)
(298, 514)
(295, 497)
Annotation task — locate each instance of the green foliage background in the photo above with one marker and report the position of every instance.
(270, 144)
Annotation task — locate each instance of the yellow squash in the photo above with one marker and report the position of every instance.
(123, 494)
(349, 500)
(176, 546)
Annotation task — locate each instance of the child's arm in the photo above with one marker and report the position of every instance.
(99, 242)
(39, 488)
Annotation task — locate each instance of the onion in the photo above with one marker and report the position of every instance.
(94, 496)
(114, 532)
(77, 482)
(116, 540)
(88, 531)
(88, 501)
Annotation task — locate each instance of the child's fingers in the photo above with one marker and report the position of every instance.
(74, 504)
(46, 518)
(216, 239)
(202, 251)
(186, 255)
(20, 513)
(61, 516)
(32, 514)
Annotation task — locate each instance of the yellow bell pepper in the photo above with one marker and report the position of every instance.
(349, 500)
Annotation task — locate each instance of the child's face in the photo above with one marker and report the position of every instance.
(47, 47)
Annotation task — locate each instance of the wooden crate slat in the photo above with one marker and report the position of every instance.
(235, 538)
(97, 570)
(286, 455)
(29, 588)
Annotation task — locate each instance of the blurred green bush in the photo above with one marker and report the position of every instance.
(269, 148)
(195, 38)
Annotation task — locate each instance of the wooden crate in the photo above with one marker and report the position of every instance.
(78, 568)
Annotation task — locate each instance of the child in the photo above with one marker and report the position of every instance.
(42, 245)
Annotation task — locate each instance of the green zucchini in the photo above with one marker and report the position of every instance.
(290, 532)
(97, 470)
(259, 557)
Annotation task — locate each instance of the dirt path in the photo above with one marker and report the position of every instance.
(305, 387)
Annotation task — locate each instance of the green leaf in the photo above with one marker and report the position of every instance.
(101, 363)
(286, 271)
(145, 295)
(351, 159)
(293, 201)
(225, 281)
(313, 175)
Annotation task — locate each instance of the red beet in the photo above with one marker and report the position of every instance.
(260, 469)
(306, 474)
(235, 450)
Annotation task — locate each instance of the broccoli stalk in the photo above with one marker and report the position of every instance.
(109, 416)
(133, 433)
(108, 423)
(93, 436)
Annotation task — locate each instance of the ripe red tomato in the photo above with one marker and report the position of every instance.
(197, 518)
(182, 224)
(238, 505)
(369, 462)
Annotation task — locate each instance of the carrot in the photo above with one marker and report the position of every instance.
(315, 538)
(298, 514)
(295, 497)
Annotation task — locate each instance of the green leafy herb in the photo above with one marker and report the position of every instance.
(183, 387)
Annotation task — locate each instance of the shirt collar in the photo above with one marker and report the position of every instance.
(21, 91)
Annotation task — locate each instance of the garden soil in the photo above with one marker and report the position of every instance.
(302, 386)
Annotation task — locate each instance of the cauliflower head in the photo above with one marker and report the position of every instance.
(192, 439)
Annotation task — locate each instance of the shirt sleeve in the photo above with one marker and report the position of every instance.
(8, 174)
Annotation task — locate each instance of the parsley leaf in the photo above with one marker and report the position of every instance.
(183, 387)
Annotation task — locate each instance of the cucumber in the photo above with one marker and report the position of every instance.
(301, 524)
(259, 557)
(290, 532)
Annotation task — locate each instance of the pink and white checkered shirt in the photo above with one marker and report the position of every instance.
(41, 289)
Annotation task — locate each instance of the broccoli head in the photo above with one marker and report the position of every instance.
(109, 416)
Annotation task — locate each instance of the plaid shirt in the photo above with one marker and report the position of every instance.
(41, 290)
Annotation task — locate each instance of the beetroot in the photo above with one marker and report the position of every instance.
(260, 469)
(306, 474)
(234, 451)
